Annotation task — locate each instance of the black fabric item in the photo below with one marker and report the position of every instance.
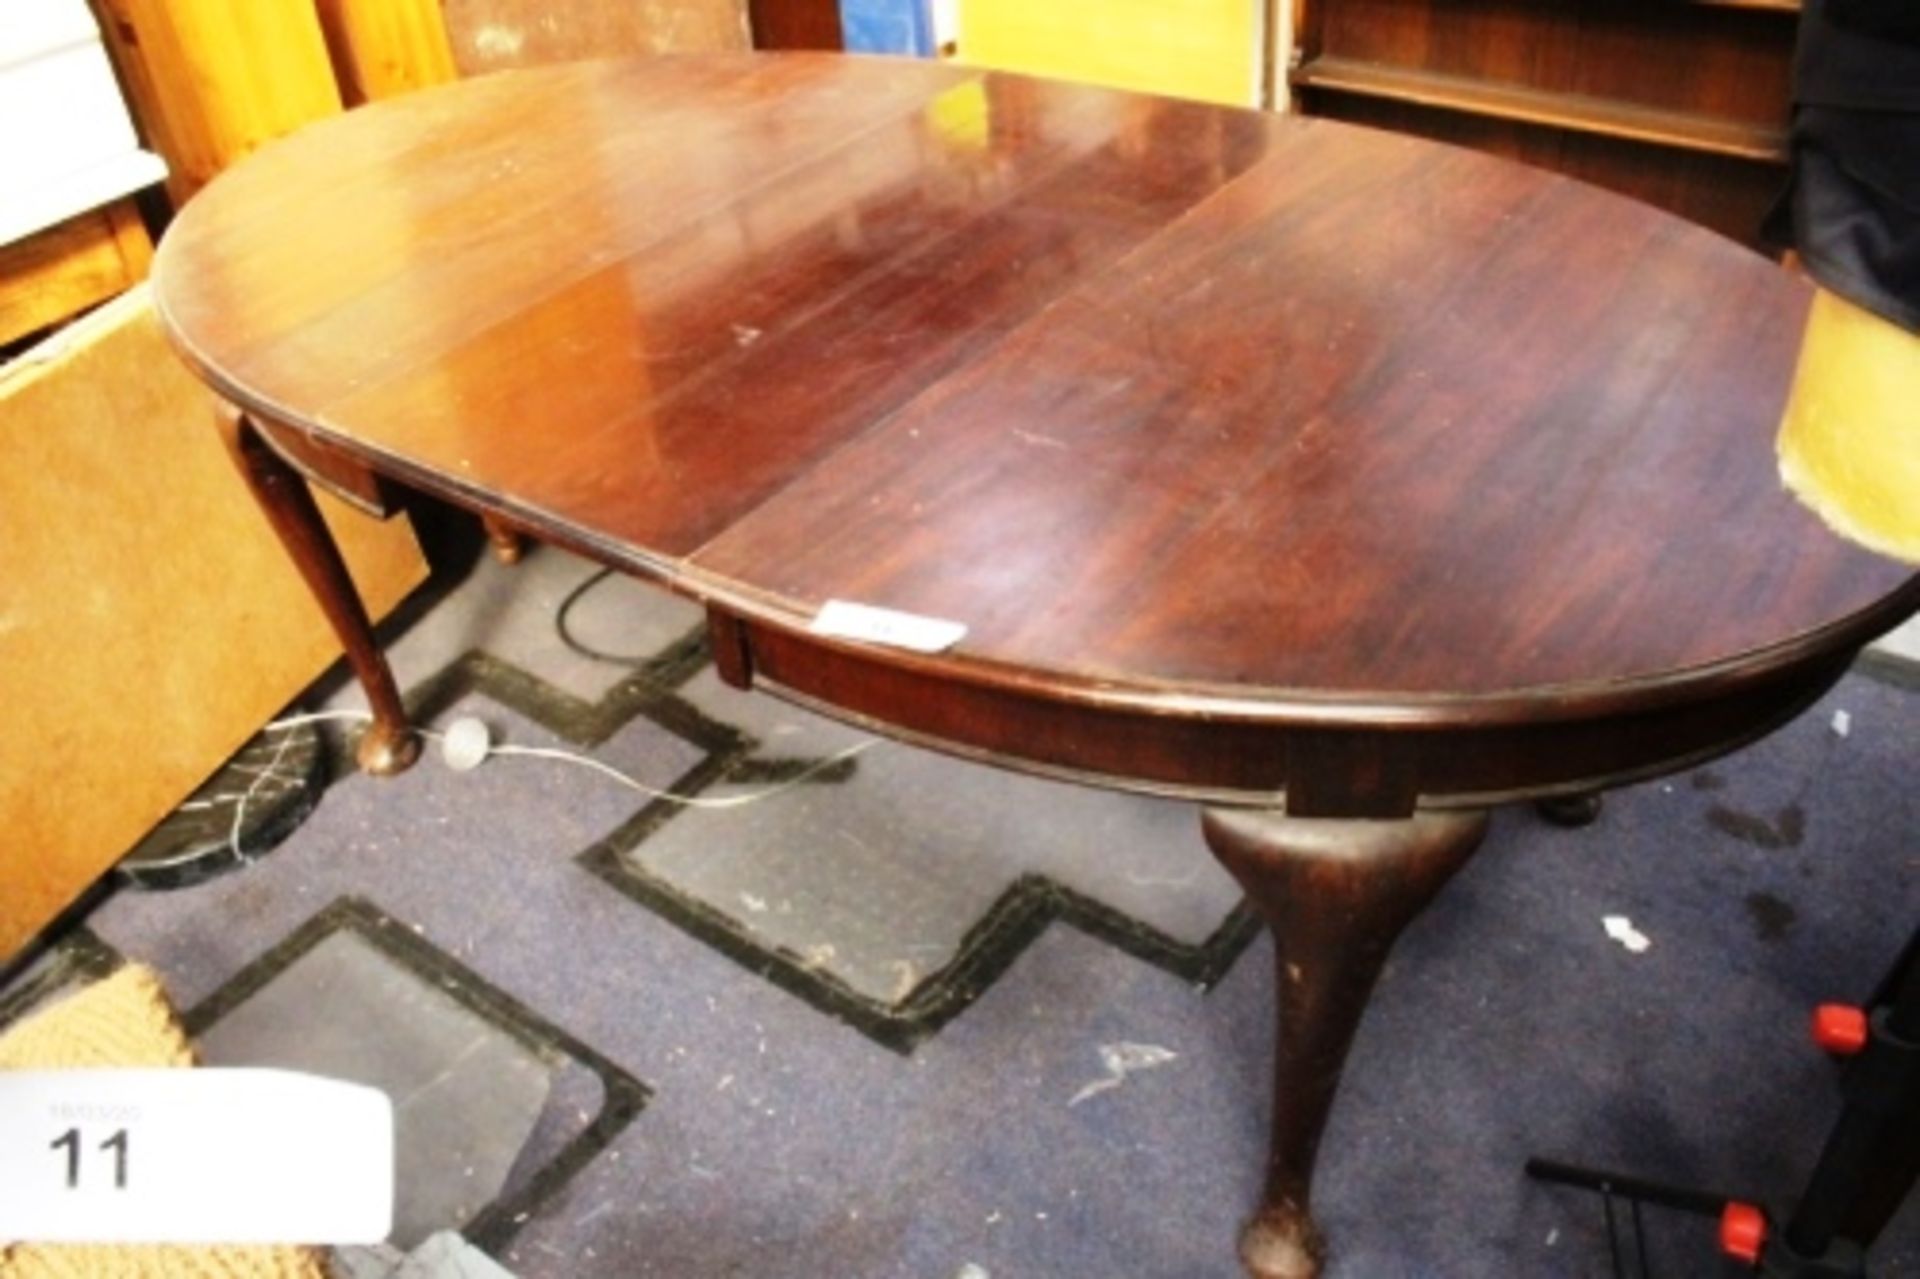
(1898, 19)
(1852, 206)
(1855, 207)
(1863, 54)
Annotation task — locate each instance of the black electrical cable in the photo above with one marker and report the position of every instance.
(583, 649)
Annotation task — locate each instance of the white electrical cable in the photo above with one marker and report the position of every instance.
(690, 801)
(465, 744)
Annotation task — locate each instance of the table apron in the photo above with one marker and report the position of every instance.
(1318, 770)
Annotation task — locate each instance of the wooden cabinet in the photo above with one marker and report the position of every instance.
(212, 80)
(69, 235)
(62, 270)
(1682, 103)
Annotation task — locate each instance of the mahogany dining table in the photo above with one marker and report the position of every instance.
(1342, 483)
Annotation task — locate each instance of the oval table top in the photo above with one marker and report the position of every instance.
(1200, 407)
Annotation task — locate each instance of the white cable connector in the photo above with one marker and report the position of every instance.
(466, 744)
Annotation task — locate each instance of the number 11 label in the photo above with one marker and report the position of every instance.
(69, 1141)
(193, 1156)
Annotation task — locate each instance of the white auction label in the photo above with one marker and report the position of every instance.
(887, 626)
(193, 1156)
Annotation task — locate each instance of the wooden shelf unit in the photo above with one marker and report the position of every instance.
(1604, 116)
(1772, 6)
(1682, 105)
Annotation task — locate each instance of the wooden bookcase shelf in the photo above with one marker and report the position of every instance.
(1771, 6)
(1582, 114)
(1682, 103)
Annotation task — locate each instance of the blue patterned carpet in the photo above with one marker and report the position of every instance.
(850, 1028)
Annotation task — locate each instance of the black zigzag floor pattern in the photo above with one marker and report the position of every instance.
(1027, 908)
(743, 1072)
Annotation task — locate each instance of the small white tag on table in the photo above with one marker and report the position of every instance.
(193, 1156)
(911, 631)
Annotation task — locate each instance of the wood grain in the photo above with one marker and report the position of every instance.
(1685, 58)
(1336, 896)
(1675, 80)
(382, 48)
(1240, 443)
(1478, 388)
(60, 271)
(1578, 113)
(855, 272)
(389, 744)
(212, 80)
(1725, 194)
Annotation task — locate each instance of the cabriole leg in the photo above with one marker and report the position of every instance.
(389, 745)
(1335, 894)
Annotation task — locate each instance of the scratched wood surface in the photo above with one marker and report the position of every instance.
(1157, 397)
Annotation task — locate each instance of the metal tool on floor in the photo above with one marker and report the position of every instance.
(1866, 1169)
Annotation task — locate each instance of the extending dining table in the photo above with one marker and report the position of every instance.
(1344, 484)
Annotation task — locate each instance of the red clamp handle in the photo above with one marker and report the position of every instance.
(1743, 1232)
(1841, 1029)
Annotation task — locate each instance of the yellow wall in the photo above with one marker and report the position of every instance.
(1207, 49)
